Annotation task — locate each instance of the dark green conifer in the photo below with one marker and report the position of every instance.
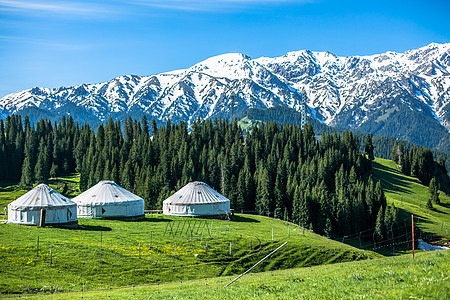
(368, 148)
(433, 190)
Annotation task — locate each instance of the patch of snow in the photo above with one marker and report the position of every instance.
(422, 245)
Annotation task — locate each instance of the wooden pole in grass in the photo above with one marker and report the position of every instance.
(412, 232)
(175, 250)
(101, 238)
(272, 234)
(230, 248)
(139, 250)
(51, 257)
(37, 247)
(210, 232)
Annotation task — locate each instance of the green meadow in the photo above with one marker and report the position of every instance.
(168, 257)
(397, 277)
(135, 253)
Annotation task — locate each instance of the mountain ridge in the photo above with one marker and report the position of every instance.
(380, 93)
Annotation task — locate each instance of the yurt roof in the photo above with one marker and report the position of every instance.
(41, 196)
(106, 192)
(196, 193)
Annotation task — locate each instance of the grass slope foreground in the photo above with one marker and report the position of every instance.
(104, 254)
(399, 277)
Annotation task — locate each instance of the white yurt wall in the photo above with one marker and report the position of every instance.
(196, 199)
(26, 209)
(106, 199)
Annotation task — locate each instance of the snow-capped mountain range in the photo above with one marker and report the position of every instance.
(378, 93)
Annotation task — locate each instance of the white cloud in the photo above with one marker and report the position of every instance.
(51, 7)
(45, 44)
(206, 5)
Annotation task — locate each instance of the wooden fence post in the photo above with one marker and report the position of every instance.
(37, 247)
(412, 232)
(101, 239)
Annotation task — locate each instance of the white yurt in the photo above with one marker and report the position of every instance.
(59, 210)
(106, 200)
(196, 199)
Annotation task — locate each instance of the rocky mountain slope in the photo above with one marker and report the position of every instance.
(405, 95)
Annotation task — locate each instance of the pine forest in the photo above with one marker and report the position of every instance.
(323, 184)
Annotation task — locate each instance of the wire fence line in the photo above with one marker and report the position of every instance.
(215, 238)
(370, 239)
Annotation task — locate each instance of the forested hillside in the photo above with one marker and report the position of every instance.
(383, 145)
(280, 169)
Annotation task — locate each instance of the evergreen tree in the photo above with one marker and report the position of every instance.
(429, 203)
(379, 195)
(394, 153)
(241, 190)
(27, 173)
(426, 165)
(328, 228)
(42, 169)
(414, 162)
(368, 148)
(263, 191)
(433, 190)
(126, 178)
(379, 225)
(301, 211)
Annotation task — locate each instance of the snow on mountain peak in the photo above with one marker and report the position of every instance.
(345, 91)
(230, 65)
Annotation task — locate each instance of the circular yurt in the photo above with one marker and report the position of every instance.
(59, 210)
(196, 199)
(108, 200)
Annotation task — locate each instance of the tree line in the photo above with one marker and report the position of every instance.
(419, 162)
(383, 145)
(322, 184)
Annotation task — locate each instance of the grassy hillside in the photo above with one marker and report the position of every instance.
(411, 197)
(136, 253)
(68, 185)
(400, 277)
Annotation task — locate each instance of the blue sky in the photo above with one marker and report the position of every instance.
(53, 43)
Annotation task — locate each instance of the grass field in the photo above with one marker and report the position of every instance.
(160, 251)
(411, 197)
(135, 253)
(399, 277)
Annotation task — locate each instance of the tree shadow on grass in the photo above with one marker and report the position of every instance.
(154, 220)
(446, 205)
(241, 218)
(392, 180)
(93, 228)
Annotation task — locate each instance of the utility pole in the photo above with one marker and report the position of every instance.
(303, 110)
